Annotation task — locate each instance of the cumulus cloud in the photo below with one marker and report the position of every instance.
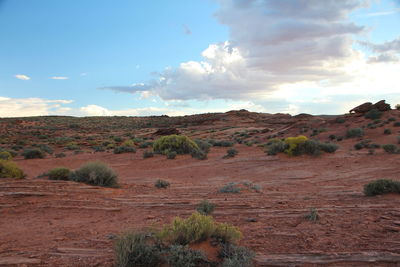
(388, 51)
(22, 77)
(272, 43)
(59, 78)
(23, 107)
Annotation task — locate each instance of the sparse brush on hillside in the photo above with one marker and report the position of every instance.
(391, 148)
(373, 114)
(355, 132)
(171, 144)
(5, 155)
(60, 173)
(33, 154)
(95, 173)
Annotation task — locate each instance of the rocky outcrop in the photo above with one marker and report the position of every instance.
(364, 108)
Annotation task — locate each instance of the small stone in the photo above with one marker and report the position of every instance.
(251, 220)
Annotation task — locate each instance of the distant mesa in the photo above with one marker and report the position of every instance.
(167, 131)
(364, 108)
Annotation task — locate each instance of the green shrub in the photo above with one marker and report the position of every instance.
(392, 119)
(5, 155)
(203, 145)
(332, 137)
(340, 120)
(328, 147)
(95, 173)
(355, 132)
(312, 215)
(381, 186)
(161, 184)
(387, 131)
(236, 256)
(60, 155)
(145, 144)
(275, 147)
(128, 143)
(230, 188)
(197, 228)
(390, 148)
(183, 256)
(137, 249)
(221, 143)
(358, 146)
(230, 153)
(33, 154)
(177, 143)
(59, 174)
(293, 142)
(373, 114)
(205, 207)
(45, 148)
(9, 169)
(198, 154)
(396, 124)
(124, 149)
(171, 155)
(148, 154)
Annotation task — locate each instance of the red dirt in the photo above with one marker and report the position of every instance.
(63, 223)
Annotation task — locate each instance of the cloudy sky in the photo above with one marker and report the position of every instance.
(177, 57)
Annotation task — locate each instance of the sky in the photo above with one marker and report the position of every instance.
(181, 57)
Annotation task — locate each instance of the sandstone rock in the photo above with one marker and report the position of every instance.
(363, 108)
(381, 106)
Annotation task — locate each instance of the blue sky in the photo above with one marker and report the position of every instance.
(98, 57)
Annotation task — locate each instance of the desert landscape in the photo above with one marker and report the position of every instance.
(292, 210)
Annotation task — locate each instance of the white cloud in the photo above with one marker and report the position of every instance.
(59, 78)
(23, 107)
(22, 77)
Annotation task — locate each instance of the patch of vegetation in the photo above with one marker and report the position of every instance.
(148, 154)
(60, 155)
(340, 120)
(198, 154)
(33, 154)
(205, 207)
(221, 143)
(59, 174)
(387, 131)
(162, 184)
(137, 249)
(373, 114)
(396, 124)
(124, 149)
(390, 148)
(95, 173)
(171, 155)
(183, 256)
(5, 155)
(198, 228)
(236, 256)
(355, 132)
(230, 153)
(9, 169)
(203, 145)
(230, 188)
(397, 106)
(312, 215)
(381, 186)
(178, 143)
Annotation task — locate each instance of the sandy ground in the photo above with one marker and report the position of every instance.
(59, 223)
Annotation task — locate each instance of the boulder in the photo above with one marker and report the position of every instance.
(381, 106)
(363, 108)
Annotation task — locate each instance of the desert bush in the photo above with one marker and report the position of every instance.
(203, 145)
(373, 114)
(44, 148)
(5, 155)
(387, 131)
(222, 143)
(95, 173)
(161, 184)
(236, 256)
(396, 124)
(59, 174)
(128, 143)
(381, 186)
(137, 249)
(171, 155)
(124, 149)
(148, 154)
(340, 120)
(328, 147)
(293, 142)
(72, 146)
(230, 153)
(9, 169)
(275, 147)
(392, 119)
(177, 143)
(332, 137)
(197, 228)
(312, 215)
(198, 154)
(183, 256)
(355, 132)
(390, 148)
(205, 207)
(230, 188)
(60, 155)
(33, 154)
